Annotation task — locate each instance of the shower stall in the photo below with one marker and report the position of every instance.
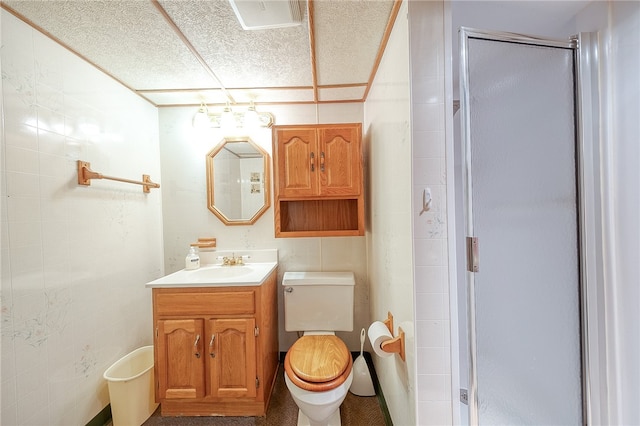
(524, 212)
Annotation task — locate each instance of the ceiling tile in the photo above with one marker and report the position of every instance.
(348, 36)
(272, 96)
(244, 58)
(130, 39)
(179, 97)
(341, 93)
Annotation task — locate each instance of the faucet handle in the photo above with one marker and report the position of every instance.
(225, 260)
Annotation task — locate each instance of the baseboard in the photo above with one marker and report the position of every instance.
(102, 418)
(376, 387)
(374, 379)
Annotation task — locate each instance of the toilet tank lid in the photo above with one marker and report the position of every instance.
(323, 278)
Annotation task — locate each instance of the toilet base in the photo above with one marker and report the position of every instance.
(334, 420)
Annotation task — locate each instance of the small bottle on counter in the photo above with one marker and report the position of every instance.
(192, 261)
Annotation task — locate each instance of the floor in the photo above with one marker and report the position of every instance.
(282, 411)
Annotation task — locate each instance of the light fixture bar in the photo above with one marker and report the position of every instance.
(228, 118)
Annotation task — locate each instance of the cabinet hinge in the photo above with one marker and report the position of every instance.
(256, 331)
(257, 382)
(156, 332)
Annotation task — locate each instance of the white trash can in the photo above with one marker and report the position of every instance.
(131, 393)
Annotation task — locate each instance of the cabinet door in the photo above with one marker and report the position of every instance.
(232, 357)
(180, 362)
(297, 162)
(340, 161)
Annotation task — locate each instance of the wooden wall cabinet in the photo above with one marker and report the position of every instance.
(318, 180)
(216, 349)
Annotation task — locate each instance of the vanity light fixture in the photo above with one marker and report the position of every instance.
(229, 118)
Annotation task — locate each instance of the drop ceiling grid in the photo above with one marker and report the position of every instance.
(348, 36)
(240, 58)
(119, 36)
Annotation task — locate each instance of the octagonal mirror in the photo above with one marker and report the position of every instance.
(238, 181)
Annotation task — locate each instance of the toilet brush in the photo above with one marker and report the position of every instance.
(362, 385)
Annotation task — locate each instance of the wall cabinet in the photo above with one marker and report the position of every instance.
(216, 349)
(318, 180)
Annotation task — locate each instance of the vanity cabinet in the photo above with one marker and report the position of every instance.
(216, 349)
(318, 180)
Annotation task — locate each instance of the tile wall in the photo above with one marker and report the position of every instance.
(430, 239)
(74, 259)
(389, 239)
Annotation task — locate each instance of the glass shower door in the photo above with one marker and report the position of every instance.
(521, 207)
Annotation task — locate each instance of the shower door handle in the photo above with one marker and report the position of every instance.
(473, 264)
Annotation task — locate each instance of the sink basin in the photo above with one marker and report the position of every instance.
(217, 272)
(216, 275)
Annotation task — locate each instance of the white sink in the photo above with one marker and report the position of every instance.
(218, 272)
(216, 275)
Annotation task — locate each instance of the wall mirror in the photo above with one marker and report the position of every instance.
(238, 181)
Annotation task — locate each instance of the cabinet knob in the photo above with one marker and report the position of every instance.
(211, 353)
(313, 162)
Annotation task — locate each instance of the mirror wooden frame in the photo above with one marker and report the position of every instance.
(210, 182)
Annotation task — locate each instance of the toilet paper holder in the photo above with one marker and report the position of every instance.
(395, 345)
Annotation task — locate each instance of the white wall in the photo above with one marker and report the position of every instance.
(389, 240)
(625, 149)
(74, 259)
(186, 217)
(618, 26)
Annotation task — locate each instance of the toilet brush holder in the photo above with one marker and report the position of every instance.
(362, 385)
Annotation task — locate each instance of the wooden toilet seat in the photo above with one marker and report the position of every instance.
(318, 363)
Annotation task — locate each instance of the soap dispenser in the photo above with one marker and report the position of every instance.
(192, 261)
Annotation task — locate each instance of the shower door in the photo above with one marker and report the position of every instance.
(518, 130)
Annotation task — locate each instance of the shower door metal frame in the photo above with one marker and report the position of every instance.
(585, 83)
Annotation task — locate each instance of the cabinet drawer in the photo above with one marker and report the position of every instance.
(204, 303)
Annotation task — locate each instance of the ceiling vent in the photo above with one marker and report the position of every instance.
(264, 14)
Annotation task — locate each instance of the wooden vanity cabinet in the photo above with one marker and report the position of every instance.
(318, 180)
(216, 349)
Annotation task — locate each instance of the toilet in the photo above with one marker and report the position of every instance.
(318, 366)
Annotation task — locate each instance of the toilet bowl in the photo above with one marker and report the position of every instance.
(318, 366)
(318, 374)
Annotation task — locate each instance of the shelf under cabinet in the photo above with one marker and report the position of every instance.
(320, 217)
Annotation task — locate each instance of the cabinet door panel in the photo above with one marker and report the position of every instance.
(340, 161)
(297, 162)
(180, 361)
(233, 364)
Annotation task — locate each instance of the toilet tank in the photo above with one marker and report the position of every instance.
(318, 301)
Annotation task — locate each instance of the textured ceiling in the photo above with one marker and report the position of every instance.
(184, 52)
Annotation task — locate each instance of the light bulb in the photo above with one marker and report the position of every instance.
(201, 118)
(227, 121)
(251, 118)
